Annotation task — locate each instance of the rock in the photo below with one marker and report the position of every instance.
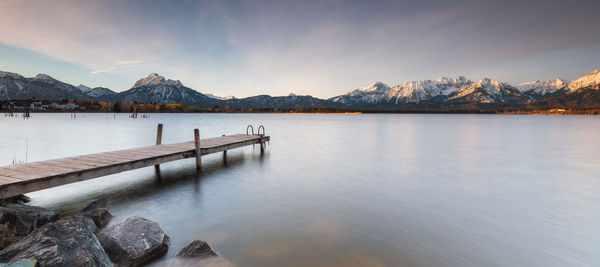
(21, 263)
(100, 203)
(19, 220)
(69, 241)
(101, 217)
(134, 241)
(197, 248)
(98, 212)
(19, 199)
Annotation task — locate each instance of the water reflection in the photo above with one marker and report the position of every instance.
(359, 190)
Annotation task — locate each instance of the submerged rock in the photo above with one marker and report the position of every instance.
(197, 248)
(17, 221)
(196, 254)
(69, 241)
(98, 212)
(134, 241)
(100, 203)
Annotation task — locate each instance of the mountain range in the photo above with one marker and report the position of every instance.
(440, 93)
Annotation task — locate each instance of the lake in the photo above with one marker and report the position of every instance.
(347, 190)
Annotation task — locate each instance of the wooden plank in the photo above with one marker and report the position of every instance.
(22, 187)
(19, 179)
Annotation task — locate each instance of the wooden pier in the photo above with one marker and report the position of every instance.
(25, 178)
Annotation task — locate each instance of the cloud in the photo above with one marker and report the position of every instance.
(98, 71)
(133, 62)
(117, 66)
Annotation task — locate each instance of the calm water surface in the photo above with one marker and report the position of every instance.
(348, 190)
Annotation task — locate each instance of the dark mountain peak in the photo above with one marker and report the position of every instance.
(154, 79)
(4, 74)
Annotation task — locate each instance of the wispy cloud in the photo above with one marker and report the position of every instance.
(98, 71)
(117, 66)
(132, 62)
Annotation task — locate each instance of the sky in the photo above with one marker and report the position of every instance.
(321, 48)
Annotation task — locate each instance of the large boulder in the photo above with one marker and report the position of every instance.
(134, 241)
(17, 221)
(69, 241)
(198, 249)
(98, 212)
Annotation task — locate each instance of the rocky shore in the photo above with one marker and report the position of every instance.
(34, 236)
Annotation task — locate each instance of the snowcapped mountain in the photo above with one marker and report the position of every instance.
(592, 79)
(444, 92)
(489, 91)
(156, 89)
(410, 92)
(540, 89)
(371, 94)
(42, 86)
(221, 97)
(418, 91)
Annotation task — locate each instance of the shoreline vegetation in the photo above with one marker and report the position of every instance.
(86, 106)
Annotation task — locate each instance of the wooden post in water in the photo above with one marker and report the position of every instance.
(262, 146)
(158, 142)
(224, 152)
(159, 134)
(198, 151)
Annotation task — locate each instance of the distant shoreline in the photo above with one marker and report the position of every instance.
(499, 112)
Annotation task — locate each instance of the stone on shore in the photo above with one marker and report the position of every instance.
(98, 212)
(69, 241)
(18, 199)
(198, 249)
(134, 241)
(101, 217)
(17, 221)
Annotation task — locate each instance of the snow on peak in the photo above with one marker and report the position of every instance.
(452, 81)
(43, 77)
(221, 97)
(485, 90)
(542, 87)
(83, 88)
(378, 86)
(593, 78)
(154, 79)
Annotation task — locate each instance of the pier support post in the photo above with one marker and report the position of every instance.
(159, 134)
(198, 151)
(262, 146)
(224, 152)
(158, 142)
